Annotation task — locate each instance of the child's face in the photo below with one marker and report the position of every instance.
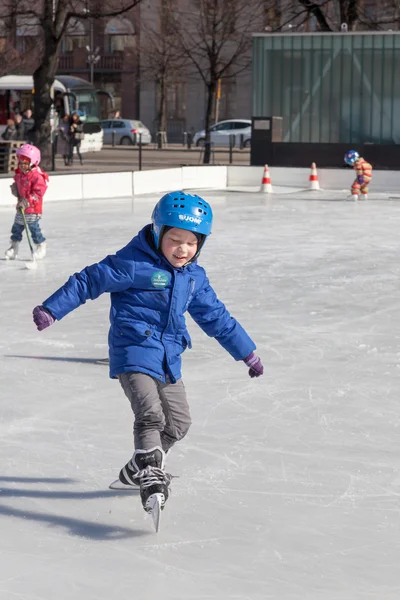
(178, 246)
(24, 164)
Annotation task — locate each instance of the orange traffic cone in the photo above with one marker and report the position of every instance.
(266, 186)
(314, 183)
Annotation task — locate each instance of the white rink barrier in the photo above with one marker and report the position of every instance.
(64, 187)
(82, 186)
(106, 185)
(204, 177)
(159, 180)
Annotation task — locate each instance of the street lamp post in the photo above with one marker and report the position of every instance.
(93, 56)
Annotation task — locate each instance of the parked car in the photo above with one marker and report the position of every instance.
(220, 132)
(126, 132)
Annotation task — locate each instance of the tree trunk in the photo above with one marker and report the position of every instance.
(352, 14)
(314, 9)
(43, 79)
(273, 16)
(161, 125)
(211, 87)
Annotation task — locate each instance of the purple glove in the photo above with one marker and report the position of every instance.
(42, 317)
(360, 179)
(256, 369)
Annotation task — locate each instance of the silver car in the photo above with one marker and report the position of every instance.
(220, 132)
(126, 132)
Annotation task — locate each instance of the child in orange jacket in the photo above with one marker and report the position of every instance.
(364, 174)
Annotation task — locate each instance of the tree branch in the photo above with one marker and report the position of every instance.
(316, 11)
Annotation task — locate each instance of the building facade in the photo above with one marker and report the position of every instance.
(114, 52)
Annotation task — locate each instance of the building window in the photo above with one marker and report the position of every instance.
(26, 43)
(75, 37)
(28, 31)
(119, 35)
(176, 100)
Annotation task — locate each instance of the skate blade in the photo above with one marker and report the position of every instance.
(153, 505)
(103, 361)
(118, 485)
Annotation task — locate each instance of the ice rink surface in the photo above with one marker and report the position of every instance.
(289, 485)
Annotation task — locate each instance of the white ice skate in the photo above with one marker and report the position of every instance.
(12, 252)
(40, 251)
(354, 197)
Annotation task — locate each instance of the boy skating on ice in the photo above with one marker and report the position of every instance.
(153, 281)
(29, 187)
(364, 174)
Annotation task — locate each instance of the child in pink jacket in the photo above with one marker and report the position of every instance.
(30, 185)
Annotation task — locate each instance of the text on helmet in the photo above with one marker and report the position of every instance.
(190, 219)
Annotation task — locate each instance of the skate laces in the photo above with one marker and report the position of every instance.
(153, 475)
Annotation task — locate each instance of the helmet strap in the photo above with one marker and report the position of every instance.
(201, 238)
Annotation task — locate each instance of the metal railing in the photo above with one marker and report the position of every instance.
(112, 62)
(66, 62)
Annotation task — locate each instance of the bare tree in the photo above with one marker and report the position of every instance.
(161, 60)
(215, 35)
(52, 17)
(330, 15)
(10, 60)
(386, 15)
(13, 59)
(317, 11)
(273, 15)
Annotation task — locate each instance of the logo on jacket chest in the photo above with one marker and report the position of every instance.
(160, 279)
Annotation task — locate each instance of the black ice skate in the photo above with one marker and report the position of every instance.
(154, 481)
(127, 479)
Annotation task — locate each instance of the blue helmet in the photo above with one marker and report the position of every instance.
(186, 211)
(350, 157)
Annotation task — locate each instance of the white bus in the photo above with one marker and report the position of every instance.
(70, 94)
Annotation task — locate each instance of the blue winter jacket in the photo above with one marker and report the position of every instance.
(148, 300)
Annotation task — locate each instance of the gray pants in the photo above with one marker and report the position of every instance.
(161, 410)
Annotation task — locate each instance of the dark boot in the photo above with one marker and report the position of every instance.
(153, 479)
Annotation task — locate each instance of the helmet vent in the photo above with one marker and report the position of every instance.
(181, 206)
